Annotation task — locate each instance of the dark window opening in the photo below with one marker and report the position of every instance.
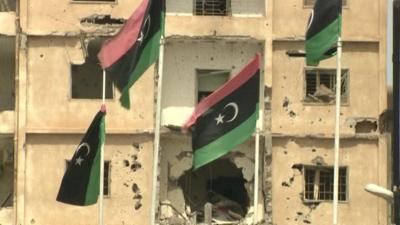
(311, 3)
(7, 73)
(7, 5)
(6, 171)
(318, 184)
(106, 177)
(87, 79)
(212, 7)
(321, 85)
(220, 183)
(209, 80)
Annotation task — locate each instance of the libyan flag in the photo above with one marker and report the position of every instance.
(227, 117)
(324, 28)
(129, 54)
(80, 184)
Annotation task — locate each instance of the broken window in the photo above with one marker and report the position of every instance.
(209, 80)
(321, 85)
(106, 177)
(7, 73)
(94, 1)
(319, 183)
(220, 183)
(6, 171)
(7, 5)
(87, 79)
(212, 7)
(310, 3)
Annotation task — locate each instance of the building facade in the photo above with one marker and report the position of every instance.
(50, 88)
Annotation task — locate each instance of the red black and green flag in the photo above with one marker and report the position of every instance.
(130, 53)
(324, 28)
(80, 184)
(227, 117)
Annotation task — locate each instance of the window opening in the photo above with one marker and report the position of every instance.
(311, 3)
(7, 73)
(106, 177)
(319, 184)
(6, 171)
(87, 79)
(209, 80)
(212, 7)
(321, 85)
(7, 5)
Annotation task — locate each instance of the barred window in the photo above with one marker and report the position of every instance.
(320, 85)
(318, 182)
(212, 7)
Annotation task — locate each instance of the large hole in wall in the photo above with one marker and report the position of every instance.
(7, 73)
(366, 126)
(7, 5)
(87, 79)
(220, 183)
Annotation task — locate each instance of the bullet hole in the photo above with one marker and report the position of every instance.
(126, 163)
(287, 218)
(136, 145)
(135, 188)
(285, 102)
(299, 213)
(313, 150)
(285, 152)
(298, 167)
(285, 184)
(138, 205)
(134, 157)
(137, 196)
(233, 67)
(135, 166)
(33, 221)
(284, 77)
(41, 55)
(287, 198)
(292, 114)
(306, 221)
(126, 185)
(212, 58)
(319, 119)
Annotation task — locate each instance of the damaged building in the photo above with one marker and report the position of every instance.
(50, 89)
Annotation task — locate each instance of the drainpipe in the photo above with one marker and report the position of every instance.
(16, 109)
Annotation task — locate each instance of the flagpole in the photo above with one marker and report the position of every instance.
(102, 157)
(256, 177)
(337, 130)
(157, 133)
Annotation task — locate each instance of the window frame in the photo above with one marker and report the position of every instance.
(345, 97)
(198, 75)
(228, 9)
(108, 180)
(317, 170)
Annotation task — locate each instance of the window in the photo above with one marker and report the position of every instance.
(310, 3)
(6, 171)
(209, 80)
(106, 187)
(87, 79)
(7, 5)
(212, 7)
(318, 183)
(7, 73)
(321, 85)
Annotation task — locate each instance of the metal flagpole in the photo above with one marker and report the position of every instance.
(337, 131)
(102, 158)
(157, 133)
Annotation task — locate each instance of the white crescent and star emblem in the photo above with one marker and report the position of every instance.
(220, 117)
(146, 29)
(79, 160)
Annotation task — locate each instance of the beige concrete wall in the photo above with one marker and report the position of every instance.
(362, 61)
(362, 159)
(45, 166)
(7, 21)
(50, 107)
(361, 19)
(183, 57)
